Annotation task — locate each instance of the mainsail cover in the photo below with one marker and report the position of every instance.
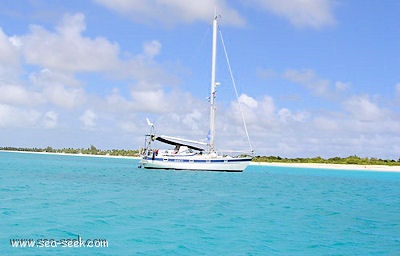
(192, 144)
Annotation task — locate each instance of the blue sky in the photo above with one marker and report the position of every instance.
(315, 78)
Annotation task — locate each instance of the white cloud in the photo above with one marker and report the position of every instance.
(16, 117)
(174, 112)
(154, 101)
(47, 78)
(9, 58)
(326, 123)
(397, 89)
(171, 12)
(193, 119)
(59, 89)
(67, 50)
(310, 80)
(248, 101)
(8, 53)
(311, 13)
(301, 13)
(128, 126)
(341, 86)
(251, 109)
(115, 102)
(267, 106)
(151, 49)
(19, 96)
(268, 126)
(264, 112)
(64, 53)
(50, 120)
(286, 115)
(363, 109)
(293, 133)
(65, 97)
(88, 118)
(157, 101)
(266, 73)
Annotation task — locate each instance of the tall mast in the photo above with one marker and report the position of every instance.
(213, 84)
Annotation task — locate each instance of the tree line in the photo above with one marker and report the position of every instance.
(334, 160)
(92, 150)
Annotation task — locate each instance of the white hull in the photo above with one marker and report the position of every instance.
(198, 164)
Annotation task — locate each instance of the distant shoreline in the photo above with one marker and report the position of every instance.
(70, 154)
(349, 167)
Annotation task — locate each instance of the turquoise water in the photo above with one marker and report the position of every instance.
(262, 211)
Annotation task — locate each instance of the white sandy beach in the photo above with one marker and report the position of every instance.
(354, 167)
(68, 154)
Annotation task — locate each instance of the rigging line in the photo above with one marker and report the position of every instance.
(236, 92)
(197, 51)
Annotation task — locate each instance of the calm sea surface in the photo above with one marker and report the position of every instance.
(262, 211)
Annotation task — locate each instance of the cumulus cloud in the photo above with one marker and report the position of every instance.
(50, 120)
(248, 101)
(341, 86)
(363, 128)
(317, 85)
(251, 109)
(128, 126)
(309, 79)
(59, 89)
(193, 119)
(171, 12)
(350, 124)
(363, 109)
(17, 117)
(152, 101)
(59, 55)
(151, 49)
(397, 89)
(325, 123)
(263, 112)
(66, 49)
(309, 13)
(19, 96)
(9, 58)
(8, 53)
(286, 115)
(65, 97)
(88, 118)
(46, 77)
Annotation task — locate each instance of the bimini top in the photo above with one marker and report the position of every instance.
(192, 144)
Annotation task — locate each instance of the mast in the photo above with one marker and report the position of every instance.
(213, 84)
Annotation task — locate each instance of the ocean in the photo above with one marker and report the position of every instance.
(76, 205)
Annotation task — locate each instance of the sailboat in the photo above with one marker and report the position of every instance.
(190, 154)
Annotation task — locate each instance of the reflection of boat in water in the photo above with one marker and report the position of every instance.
(189, 154)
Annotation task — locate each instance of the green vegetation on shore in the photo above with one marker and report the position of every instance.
(92, 150)
(335, 160)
